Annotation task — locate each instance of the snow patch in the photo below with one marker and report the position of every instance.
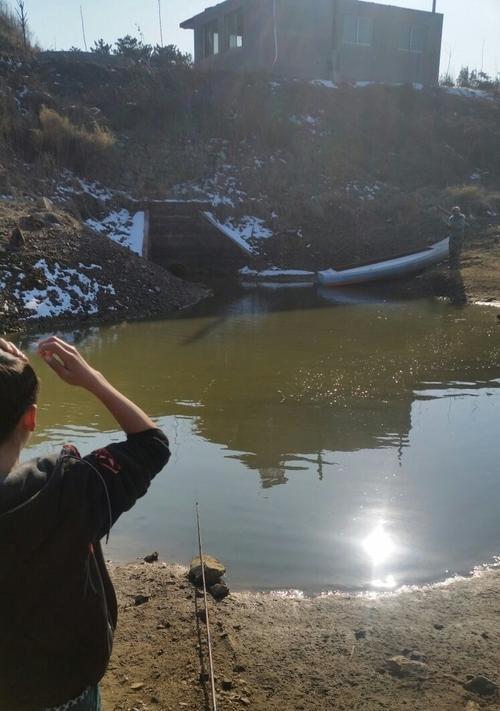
(222, 189)
(123, 228)
(308, 120)
(68, 291)
(275, 272)
(4, 275)
(324, 82)
(72, 185)
(363, 192)
(243, 232)
(469, 93)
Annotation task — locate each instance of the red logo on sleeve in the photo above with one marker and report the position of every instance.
(106, 459)
(69, 450)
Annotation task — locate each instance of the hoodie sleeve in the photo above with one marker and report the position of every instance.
(109, 481)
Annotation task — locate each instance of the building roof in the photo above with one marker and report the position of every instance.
(207, 12)
(214, 10)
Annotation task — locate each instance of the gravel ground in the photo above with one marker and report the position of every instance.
(330, 654)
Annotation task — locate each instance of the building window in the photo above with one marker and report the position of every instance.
(233, 25)
(211, 39)
(413, 39)
(358, 30)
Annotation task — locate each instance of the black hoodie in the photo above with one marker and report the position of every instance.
(58, 609)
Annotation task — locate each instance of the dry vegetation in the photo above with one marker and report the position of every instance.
(349, 173)
(11, 37)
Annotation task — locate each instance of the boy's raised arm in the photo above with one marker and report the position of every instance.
(71, 367)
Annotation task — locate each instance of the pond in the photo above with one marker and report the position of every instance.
(336, 440)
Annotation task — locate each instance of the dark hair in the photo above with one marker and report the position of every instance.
(18, 391)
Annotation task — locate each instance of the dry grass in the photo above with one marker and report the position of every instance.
(11, 36)
(70, 145)
(475, 200)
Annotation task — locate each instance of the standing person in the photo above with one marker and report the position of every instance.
(456, 223)
(58, 609)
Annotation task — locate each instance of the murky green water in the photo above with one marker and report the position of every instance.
(331, 444)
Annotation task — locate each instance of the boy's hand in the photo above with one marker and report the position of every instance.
(69, 365)
(10, 348)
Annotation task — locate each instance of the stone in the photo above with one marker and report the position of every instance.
(360, 634)
(227, 684)
(152, 557)
(219, 591)
(141, 599)
(136, 686)
(481, 685)
(51, 219)
(16, 241)
(416, 656)
(214, 570)
(32, 222)
(472, 706)
(403, 667)
(44, 203)
(244, 700)
(439, 627)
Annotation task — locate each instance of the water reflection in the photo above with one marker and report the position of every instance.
(358, 409)
(381, 550)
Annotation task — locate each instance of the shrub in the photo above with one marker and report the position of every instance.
(70, 145)
(474, 199)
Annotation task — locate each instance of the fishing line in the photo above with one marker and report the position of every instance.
(205, 601)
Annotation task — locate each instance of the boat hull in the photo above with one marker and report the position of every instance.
(390, 269)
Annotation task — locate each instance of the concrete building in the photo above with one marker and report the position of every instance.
(341, 40)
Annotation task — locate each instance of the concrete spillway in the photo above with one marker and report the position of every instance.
(181, 238)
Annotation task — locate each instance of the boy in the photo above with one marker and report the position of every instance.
(58, 609)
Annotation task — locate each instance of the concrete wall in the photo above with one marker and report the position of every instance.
(310, 41)
(257, 52)
(384, 60)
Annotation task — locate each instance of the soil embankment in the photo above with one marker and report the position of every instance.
(64, 273)
(283, 654)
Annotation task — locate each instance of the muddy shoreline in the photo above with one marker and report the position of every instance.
(273, 653)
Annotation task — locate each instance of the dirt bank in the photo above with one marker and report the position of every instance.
(63, 272)
(276, 654)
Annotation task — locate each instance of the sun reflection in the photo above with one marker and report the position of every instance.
(379, 545)
(387, 583)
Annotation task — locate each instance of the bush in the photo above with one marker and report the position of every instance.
(474, 200)
(72, 146)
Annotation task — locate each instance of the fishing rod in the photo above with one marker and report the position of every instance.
(209, 637)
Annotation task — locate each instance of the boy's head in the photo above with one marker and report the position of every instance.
(18, 395)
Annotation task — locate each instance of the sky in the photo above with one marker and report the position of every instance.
(471, 29)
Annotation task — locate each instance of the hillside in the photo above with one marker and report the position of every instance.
(11, 36)
(308, 174)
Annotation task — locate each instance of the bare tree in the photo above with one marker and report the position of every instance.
(23, 22)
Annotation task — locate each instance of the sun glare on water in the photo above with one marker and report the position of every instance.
(380, 548)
